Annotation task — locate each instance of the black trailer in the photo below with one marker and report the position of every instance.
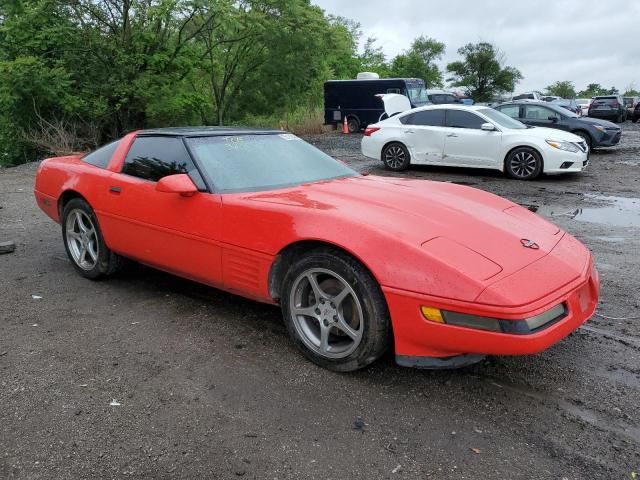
(356, 99)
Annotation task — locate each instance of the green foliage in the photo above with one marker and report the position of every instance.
(419, 61)
(563, 89)
(481, 72)
(593, 90)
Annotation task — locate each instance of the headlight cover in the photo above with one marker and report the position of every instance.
(562, 145)
(600, 128)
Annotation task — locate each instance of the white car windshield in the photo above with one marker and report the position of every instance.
(256, 162)
(501, 119)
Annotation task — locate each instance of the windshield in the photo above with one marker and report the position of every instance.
(250, 163)
(502, 119)
(417, 94)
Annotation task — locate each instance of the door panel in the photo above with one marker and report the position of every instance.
(427, 144)
(472, 147)
(424, 131)
(466, 144)
(166, 230)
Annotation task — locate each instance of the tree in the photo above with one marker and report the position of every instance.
(563, 89)
(593, 90)
(481, 72)
(373, 59)
(419, 61)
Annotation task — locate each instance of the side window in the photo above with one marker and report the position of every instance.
(462, 119)
(152, 158)
(393, 90)
(512, 111)
(430, 118)
(102, 156)
(536, 112)
(407, 119)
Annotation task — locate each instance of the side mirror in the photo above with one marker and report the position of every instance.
(488, 127)
(553, 118)
(179, 183)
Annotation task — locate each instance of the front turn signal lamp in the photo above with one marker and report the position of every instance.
(519, 327)
(432, 314)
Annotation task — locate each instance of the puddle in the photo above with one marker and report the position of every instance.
(617, 211)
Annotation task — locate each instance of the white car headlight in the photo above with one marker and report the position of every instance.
(566, 146)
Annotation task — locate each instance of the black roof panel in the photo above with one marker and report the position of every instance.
(206, 131)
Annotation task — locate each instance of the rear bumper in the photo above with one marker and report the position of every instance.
(416, 337)
(371, 148)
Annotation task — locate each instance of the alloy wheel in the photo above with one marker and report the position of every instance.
(82, 239)
(523, 164)
(394, 156)
(326, 313)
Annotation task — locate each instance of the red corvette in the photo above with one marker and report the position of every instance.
(446, 273)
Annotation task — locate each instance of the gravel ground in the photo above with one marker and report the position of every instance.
(150, 376)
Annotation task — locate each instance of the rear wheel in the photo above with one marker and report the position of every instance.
(396, 157)
(84, 243)
(353, 124)
(523, 163)
(335, 311)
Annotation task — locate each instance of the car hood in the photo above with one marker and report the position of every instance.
(480, 234)
(597, 121)
(550, 134)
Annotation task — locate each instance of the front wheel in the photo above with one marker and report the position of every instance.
(84, 243)
(396, 157)
(585, 136)
(523, 163)
(335, 311)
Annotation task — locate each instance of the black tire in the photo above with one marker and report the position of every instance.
(523, 163)
(396, 157)
(585, 136)
(334, 269)
(634, 120)
(106, 262)
(353, 124)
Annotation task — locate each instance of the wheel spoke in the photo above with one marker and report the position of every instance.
(313, 281)
(305, 311)
(339, 298)
(83, 253)
(80, 222)
(324, 338)
(346, 328)
(92, 252)
(73, 235)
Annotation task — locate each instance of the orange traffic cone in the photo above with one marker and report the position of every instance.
(345, 126)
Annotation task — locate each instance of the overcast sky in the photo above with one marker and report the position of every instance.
(585, 41)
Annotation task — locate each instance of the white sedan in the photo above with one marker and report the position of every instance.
(472, 136)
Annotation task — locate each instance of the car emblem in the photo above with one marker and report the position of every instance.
(526, 243)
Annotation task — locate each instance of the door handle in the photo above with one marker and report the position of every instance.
(452, 135)
(409, 131)
(114, 189)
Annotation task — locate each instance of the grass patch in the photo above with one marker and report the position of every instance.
(301, 121)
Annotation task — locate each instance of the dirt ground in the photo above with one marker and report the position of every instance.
(150, 376)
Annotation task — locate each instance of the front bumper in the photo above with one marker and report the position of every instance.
(555, 161)
(609, 138)
(417, 337)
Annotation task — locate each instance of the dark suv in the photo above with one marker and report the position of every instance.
(636, 113)
(596, 132)
(609, 107)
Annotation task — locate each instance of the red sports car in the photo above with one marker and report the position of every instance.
(446, 273)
